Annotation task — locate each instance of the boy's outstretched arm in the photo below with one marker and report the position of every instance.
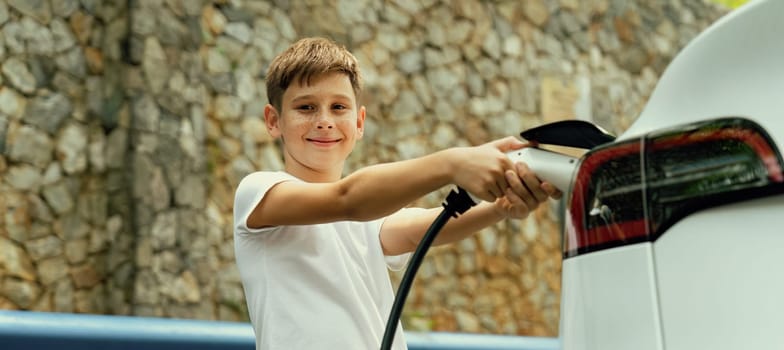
(403, 231)
(383, 189)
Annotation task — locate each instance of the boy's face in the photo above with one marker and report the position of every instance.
(319, 124)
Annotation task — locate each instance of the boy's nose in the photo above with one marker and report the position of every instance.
(324, 122)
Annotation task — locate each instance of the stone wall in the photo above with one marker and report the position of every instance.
(125, 125)
(66, 243)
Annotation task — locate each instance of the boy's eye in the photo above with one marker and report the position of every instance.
(305, 108)
(338, 106)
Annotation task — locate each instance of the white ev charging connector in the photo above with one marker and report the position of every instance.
(553, 167)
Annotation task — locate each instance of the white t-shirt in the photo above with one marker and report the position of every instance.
(315, 287)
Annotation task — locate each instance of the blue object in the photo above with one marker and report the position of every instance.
(469, 341)
(40, 330)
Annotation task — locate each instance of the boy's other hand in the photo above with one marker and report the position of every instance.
(524, 194)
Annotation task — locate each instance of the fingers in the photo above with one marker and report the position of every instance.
(516, 186)
(493, 186)
(525, 189)
(486, 190)
(515, 206)
(486, 196)
(524, 192)
(485, 170)
(551, 190)
(531, 182)
(507, 144)
(497, 190)
(496, 183)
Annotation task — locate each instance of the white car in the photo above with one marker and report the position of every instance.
(674, 233)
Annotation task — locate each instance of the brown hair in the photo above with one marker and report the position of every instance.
(305, 59)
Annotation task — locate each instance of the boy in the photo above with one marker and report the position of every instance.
(313, 247)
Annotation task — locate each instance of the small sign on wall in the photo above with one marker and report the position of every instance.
(566, 99)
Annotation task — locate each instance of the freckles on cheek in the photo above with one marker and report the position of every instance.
(347, 122)
(301, 127)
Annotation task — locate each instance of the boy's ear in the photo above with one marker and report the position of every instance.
(272, 121)
(361, 122)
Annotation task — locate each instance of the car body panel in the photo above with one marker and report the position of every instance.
(718, 278)
(610, 300)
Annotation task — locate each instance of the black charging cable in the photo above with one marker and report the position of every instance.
(456, 203)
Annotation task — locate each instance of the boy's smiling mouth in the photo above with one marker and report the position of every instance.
(323, 141)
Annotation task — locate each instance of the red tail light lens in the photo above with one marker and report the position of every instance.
(632, 191)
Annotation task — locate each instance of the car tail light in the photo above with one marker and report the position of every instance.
(632, 191)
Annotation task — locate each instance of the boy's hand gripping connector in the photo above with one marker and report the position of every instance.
(549, 166)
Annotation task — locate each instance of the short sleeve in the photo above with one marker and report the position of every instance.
(397, 262)
(249, 194)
